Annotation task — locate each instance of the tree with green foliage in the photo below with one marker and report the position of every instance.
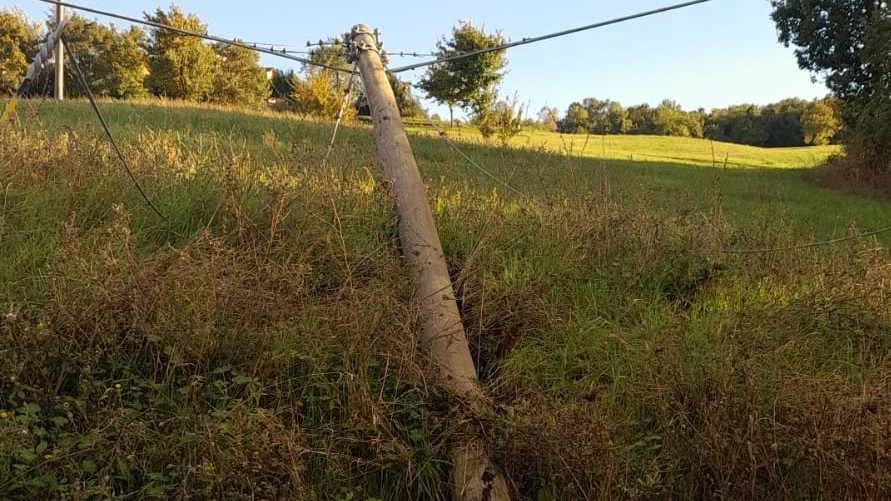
(775, 125)
(318, 95)
(127, 65)
(601, 117)
(409, 105)
(182, 67)
(576, 119)
(848, 42)
(503, 120)
(321, 92)
(333, 53)
(782, 123)
(18, 38)
(742, 124)
(642, 118)
(672, 120)
(549, 118)
(820, 123)
(281, 88)
(617, 118)
(598, 123)
(114, 62)
(471, 82)
(239, 79)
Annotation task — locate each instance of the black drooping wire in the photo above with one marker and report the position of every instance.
(527, 41)
(195, 34)
(85, 86)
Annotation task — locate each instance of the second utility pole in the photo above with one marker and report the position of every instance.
(60, 57)
(474, 476)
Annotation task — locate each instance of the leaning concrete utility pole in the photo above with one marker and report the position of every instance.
(474, 476)
(60, 57)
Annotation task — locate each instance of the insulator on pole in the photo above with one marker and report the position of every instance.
(44, 52)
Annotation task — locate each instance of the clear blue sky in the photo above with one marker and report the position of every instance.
(712, 55)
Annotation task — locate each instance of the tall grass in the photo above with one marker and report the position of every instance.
(256, 347)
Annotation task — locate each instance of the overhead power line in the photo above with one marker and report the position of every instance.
(527, 41)
(405, 53)
(281, 48)
(82, 80)
(444, 135)
(343, 104)
(195, 34)
(285, 50)
(283, 45)
(278, 48)
(289, 51)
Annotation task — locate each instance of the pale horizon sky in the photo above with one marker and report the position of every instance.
(712, 55)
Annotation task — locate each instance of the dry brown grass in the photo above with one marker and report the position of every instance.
(841, 173)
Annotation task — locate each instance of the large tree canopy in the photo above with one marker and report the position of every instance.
(18, 38)
(182, 67)
(471, 82)
(849, 43)
(820, 122)
(321, 92)
(779, 124)
(113, 62)
(239, 79)
(409, 105)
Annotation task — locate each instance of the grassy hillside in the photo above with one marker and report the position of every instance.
(256, 346)
(657, 149)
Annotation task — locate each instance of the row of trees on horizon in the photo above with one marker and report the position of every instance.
(131, 64)
(790, 122)
(134, 64)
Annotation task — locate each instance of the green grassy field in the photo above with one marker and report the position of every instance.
(654, 148)
(255, 346)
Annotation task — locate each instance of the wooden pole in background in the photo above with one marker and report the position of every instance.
(60, 57)
(475, 478)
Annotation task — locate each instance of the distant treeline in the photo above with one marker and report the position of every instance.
(134, 63)
(790, 122)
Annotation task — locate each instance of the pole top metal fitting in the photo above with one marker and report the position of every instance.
(361, 29)
(365, 39)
